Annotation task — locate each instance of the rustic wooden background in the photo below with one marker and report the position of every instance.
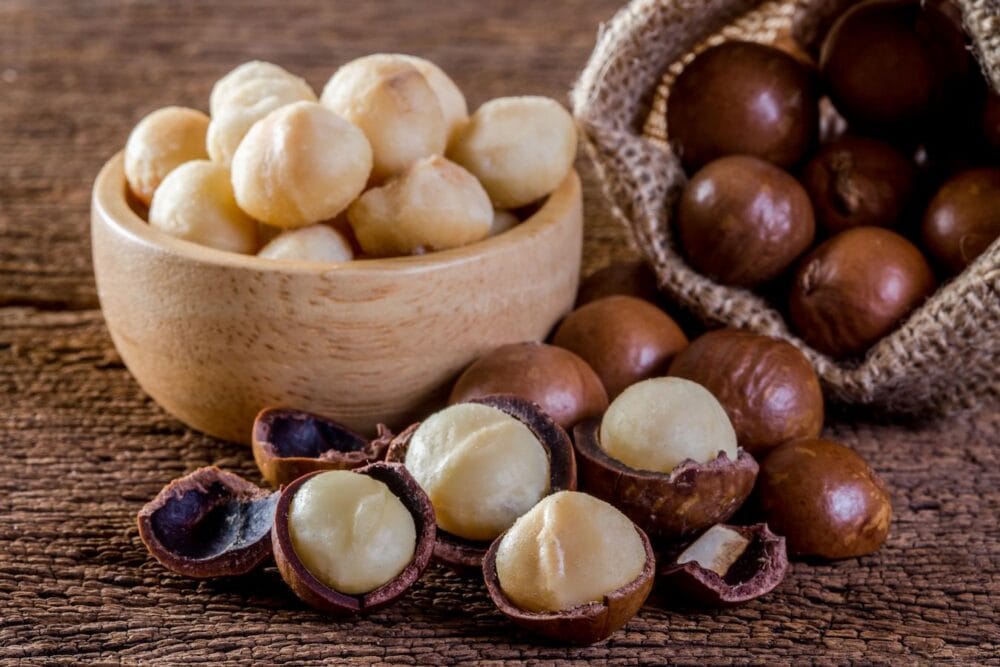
(81, 447)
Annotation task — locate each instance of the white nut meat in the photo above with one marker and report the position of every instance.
(255, 70)
(453, 105)
(300, 165)
(503, 221)
(717, 549)
(161, 142)
(315, 243)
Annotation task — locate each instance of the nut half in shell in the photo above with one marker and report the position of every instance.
(290, 443)
(755, 571)
(586, 623)
(210, 523)
(460, 553)
(668, 506)
(321, 596)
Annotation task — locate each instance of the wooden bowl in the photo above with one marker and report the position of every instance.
(214, 337)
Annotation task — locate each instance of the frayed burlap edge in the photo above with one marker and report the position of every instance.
(945, 357)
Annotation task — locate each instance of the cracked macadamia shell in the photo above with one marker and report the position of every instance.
(195, 202)
(350, 531)
(315, 243)
(161, 142)
(520, 148)
(394, 105)
(300, 165)
(481, 468)
(657, 424)
(434, 205)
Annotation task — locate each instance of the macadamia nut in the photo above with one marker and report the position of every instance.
(394, 105)
(350, 531)
(480, 467)
(315, 243)
(195, 202)
(255, 70)
(434, 205)
(716, 550)
(244, 105)
(570, 549)
(503, 221)
(302, 164)
(659, 423)
(453, 106)
(520, 148)
(161, 142)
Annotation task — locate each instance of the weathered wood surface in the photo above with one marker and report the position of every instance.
(83, 448)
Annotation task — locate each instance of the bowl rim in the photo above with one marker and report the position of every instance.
(110, 204)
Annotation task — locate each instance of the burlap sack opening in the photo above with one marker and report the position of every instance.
(945, 357)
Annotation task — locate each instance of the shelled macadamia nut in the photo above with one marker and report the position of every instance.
(254, 70)
(195, 202)
(433, 205)
(161, 142)
(300, 165)
(503, 221)
(315, 243)
(395, 106)
(449, 95)
(520, 148)
(246, 100)
(574, 569)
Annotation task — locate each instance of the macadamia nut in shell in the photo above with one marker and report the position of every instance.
(302, 164)
(161, 142)
(315, 243)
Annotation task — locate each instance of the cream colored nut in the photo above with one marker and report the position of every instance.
(433, 205)
(657, 424)
(716, 550)
(255, 70)
(394, 105)
(315, 243)
(161, 142)
(570, 549)
(300, 165)
(246, 104)
(520, 148)
(480, 467)
(351, 531)
(195, 202)
(449, 95)
(503, 221)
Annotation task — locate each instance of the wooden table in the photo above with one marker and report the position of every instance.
(82, 447)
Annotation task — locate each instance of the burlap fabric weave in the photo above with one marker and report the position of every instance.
(945, 357)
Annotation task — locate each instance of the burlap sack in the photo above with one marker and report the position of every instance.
(943, 358)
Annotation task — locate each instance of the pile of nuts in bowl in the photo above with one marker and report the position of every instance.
(386, 162)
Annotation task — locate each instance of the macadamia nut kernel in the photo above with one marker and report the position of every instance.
(434, 205)
(394, 105)
(716, 550)
(520, 148)
(480, 467)
(449, 95)
(315, 243)
(570, 549)
(302, 164)
(659, 423)
(502, 222)
(195, 202)
(242, 106)
(255, 70)
(161, 142)
(350, 531)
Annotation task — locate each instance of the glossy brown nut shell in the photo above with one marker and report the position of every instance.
(558, 381)
(460, 553)
(963, 219)
(743, 97)
(743, 221)
(855, 181)
(767, 386)
(668, 506)
(624, 339)
(210, 523)
(318, 595)
(756, 573)
(290, 443)
(585, 624)
(855, 288)
(632, 278)
(824, 498)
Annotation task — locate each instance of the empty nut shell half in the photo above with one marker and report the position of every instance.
(290, 443)
(585, 624)
(757, 571)
(460, 553)
(210, 523)
(321, 596)
(668, 506)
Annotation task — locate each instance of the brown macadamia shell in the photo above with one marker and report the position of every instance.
(963, 218)
(631, 278)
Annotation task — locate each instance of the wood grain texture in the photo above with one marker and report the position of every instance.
(84, 448)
